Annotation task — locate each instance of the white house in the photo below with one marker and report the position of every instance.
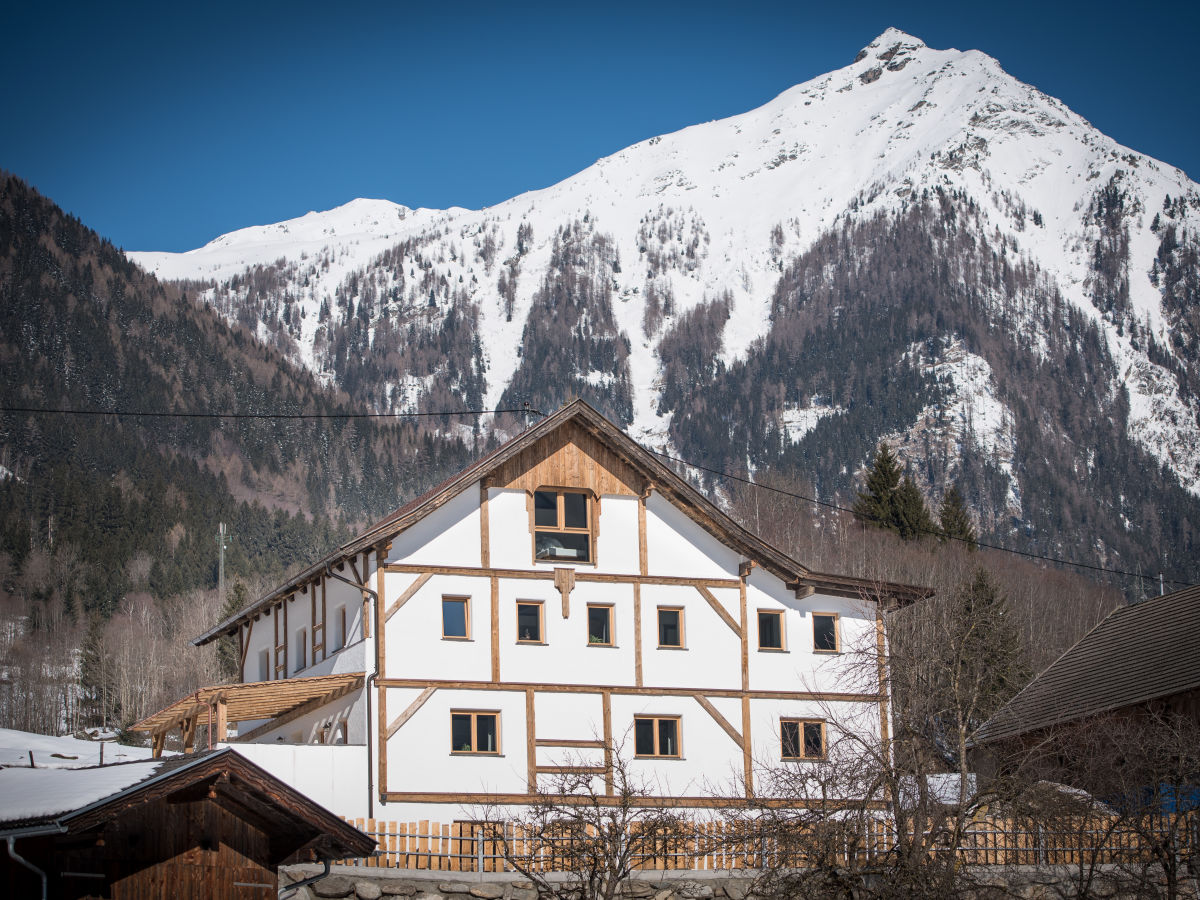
(564, 598)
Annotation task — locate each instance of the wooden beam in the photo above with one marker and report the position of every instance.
(485, 536)
(408, 594)
(245, 642)
(495, 615)
(569, 742)
(542, 575)
(625, 690)
(643, 543)
(571, 770)
(531, 742)
(606, 707)
(720, 720)
(744, 620)
(637, 635)
(220, 720)
(720, 610)
(881, 666)
(410, 711)
(564, 581)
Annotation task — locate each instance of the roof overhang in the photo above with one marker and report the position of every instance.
(256, 700)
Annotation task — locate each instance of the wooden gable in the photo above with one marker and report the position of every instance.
(569, 457)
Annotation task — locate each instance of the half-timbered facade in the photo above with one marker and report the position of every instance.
(564, 598)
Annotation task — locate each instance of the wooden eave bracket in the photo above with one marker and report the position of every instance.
(564, 581)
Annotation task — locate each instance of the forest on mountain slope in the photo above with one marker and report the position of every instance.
(847, 316)
(101, 513)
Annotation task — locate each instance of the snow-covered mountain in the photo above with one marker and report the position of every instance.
(695, 240)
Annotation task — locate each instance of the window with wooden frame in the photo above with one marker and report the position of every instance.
(341, 734)
(802, 738)
(770, 629)
(562, 526)
(670, 626)
(826, 638)
(656, 736)
(530, 622)
(456, 618)
(474, 731)
(600, 625)
(264, 665)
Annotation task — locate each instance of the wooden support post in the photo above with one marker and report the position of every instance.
(606, 706)
(485, 537)
(637, 634)
(220, 720)
(530, 742)
(495, 617)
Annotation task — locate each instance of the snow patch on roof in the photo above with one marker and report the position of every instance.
(62, 752)
(44, 793)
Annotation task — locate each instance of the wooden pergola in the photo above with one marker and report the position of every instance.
(217, 706)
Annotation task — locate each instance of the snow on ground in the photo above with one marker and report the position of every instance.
(38, 793)
(62, 752)
(799, 421)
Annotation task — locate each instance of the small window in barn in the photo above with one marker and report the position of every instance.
(802, 738)
(341, 734)
(670, 626)
(301, 650)
(770, 629)
(562, 526)
(825, 633)
(456, 618)
(264, 665)
(339, 629)
(600, 625)
(656, 736)
(473, 731)
(529, 622)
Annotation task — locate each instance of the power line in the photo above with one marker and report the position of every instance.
(136, 414)
(528, 409)
(934, 532)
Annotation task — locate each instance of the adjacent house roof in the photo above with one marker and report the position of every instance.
(665, 481)
(55, 801)
(1139, 653)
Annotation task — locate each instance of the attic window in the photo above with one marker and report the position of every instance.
(562, 526)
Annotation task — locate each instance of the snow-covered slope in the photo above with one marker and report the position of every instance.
(718, 209)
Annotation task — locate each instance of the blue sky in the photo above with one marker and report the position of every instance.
(164, 125)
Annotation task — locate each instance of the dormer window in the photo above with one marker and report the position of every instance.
(562, 526)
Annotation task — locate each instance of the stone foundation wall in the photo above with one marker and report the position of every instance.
(364, 883)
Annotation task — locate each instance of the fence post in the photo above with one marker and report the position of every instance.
(479, 854)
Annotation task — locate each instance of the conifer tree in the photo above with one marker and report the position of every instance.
(876, 504)
(227, 647)
(910, 515)
(955, 521)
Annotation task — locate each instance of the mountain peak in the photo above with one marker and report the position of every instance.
(891, 43)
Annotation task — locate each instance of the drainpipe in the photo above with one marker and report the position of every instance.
(26, 863)
(369, 682)
(292, 888)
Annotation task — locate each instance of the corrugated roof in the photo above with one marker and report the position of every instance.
(1137, 654)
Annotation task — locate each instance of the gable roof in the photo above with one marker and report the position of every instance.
(656, 473)
(55, 801)
(1138, 653)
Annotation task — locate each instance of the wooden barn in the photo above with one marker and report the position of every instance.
(210, 825)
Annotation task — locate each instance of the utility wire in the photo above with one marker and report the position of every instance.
(528, 409)
(935, 532)
(208, 415)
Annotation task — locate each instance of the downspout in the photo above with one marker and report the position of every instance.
(369, 682)
(292, 888)
(26, 863)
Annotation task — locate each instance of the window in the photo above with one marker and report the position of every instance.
(562, 526)
(825, 633)
(802, 739)
(456, 618)
(474, 732)
(600, 625)
(529, 622)
(670, 626)
(301, 649)
(770, 629)
(656, 736)
(264, 665)
(339, 628)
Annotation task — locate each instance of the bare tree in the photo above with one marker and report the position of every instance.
(586, 829)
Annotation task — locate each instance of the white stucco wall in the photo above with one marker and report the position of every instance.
(448, 536)
(335, 777)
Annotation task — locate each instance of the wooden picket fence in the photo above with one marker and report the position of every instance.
(717, 845)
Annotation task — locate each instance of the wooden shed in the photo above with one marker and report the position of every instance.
(210, 825)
